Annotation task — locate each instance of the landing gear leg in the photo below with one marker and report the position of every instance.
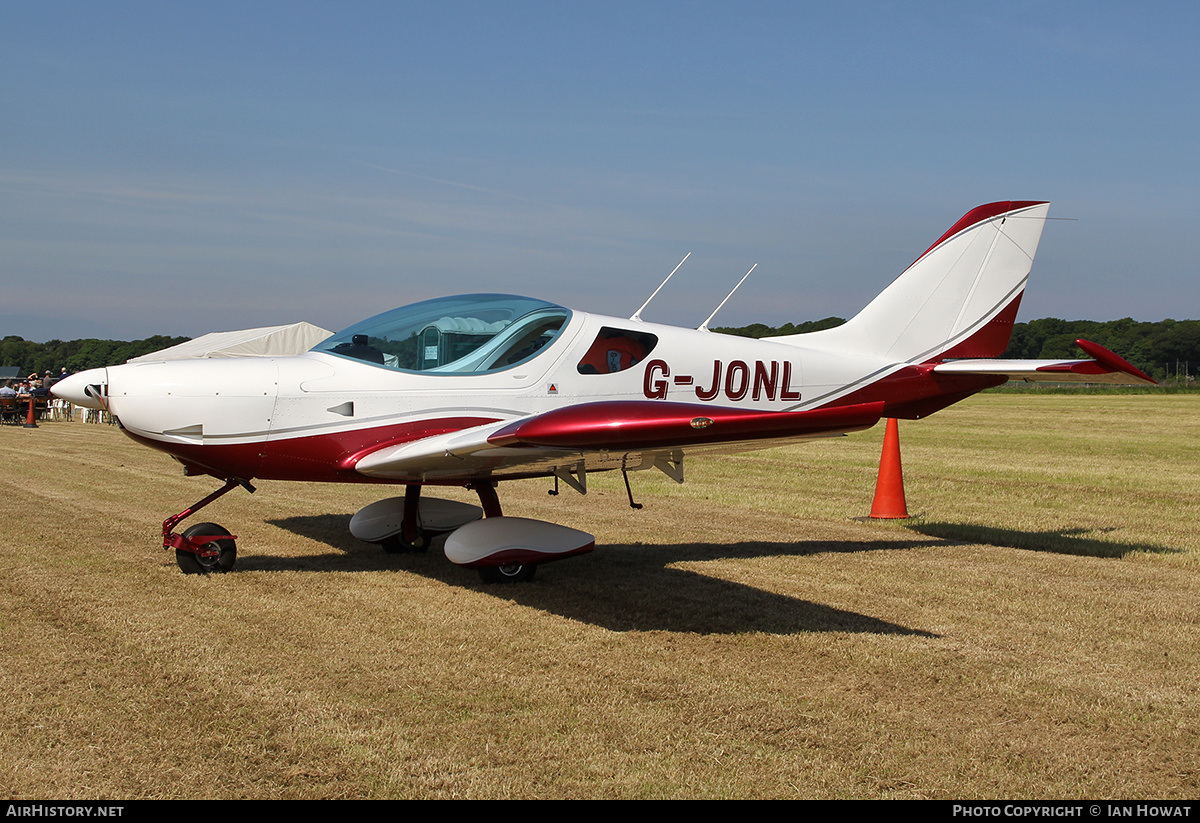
(487, 498)
(412, 538)
(205, 547)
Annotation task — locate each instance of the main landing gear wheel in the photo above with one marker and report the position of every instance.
(190, 563)
(396, 544)
(508, 573)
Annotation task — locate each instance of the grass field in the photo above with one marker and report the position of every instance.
(1033, 633)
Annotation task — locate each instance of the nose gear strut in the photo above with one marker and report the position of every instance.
(206, 547)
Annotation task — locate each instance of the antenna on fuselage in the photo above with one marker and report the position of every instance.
(637, 315)
(704, 326)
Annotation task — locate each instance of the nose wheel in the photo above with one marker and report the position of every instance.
(217, 556)
(204, 548)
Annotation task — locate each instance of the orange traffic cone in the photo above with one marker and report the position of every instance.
(889, 488)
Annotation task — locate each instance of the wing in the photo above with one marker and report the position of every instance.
(1107, 367)
(628, 434)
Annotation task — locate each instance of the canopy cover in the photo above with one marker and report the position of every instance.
(269, 341)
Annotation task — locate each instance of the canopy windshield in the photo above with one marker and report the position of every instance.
(468, 334)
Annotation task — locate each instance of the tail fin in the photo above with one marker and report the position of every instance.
(958, 299)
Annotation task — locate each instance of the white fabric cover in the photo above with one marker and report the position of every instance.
(269, 341)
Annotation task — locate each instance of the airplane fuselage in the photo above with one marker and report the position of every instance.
(316, 415)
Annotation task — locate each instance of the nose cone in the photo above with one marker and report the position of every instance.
(83, 389)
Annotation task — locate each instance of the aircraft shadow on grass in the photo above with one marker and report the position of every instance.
(1058, 541)
(621, 587)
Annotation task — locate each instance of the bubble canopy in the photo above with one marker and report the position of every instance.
(467, 334)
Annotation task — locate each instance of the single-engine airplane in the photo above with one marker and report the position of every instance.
(471, 390)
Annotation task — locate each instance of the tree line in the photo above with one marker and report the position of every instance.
(1163, 349)
(76, 355)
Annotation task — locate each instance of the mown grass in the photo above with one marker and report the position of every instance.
(1031, 634)
(1169, 386)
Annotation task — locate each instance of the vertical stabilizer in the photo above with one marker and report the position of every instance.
(958, 299)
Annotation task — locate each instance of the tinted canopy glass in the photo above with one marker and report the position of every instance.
(468, 334)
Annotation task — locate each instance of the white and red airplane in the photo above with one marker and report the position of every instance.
(472, 390)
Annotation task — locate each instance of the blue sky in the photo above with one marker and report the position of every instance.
(176, 168)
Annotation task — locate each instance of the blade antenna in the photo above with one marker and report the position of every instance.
(704, 326)
(637, 315)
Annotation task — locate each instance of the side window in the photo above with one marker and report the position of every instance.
(616, 350)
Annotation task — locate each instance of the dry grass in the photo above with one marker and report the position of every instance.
(742, 636)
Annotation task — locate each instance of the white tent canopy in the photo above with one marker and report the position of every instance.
(270, 341)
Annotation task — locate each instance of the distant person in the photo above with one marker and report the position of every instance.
(7, 389)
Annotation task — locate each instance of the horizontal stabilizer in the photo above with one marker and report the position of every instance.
(1107, 367)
